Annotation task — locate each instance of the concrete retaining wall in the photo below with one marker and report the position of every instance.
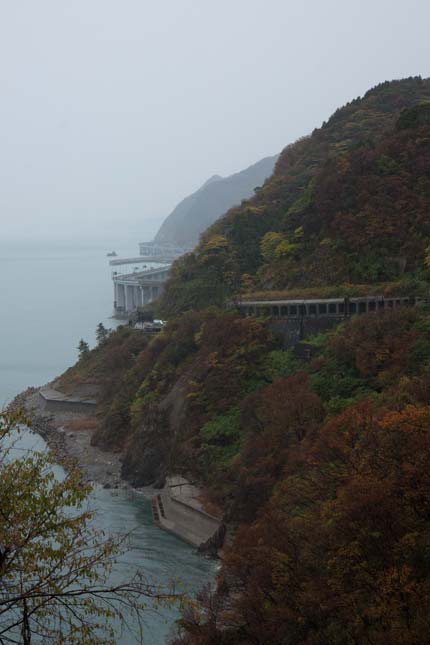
(55, 401)
(192, 525)
(294, 330)
(177, 509)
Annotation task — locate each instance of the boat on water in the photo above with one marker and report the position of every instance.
(112, 254)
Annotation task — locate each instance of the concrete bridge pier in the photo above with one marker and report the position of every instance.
(138, 296)
(129, 298)
(146, 294)
(120, 295)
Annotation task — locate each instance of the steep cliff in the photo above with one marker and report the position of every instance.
(196, 212)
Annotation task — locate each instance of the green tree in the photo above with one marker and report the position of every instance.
(101, 333)
(54, 565)
(269, 245)
(83, 349)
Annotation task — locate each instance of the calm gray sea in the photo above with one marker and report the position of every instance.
(50, 298)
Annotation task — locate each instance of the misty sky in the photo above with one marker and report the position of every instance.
(111, 111)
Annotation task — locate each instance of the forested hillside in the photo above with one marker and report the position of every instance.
(348, 204)
(321, 466)
(196, 212)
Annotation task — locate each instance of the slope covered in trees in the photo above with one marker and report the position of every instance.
(347, 204)
(332, 484)
(321, 465)
(199, 210)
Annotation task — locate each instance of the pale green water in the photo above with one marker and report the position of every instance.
(49, 300)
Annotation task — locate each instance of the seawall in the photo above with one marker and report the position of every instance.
(52, 400)
(293, 331)
(177, 509)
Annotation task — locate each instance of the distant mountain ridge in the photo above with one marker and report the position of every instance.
(215, 197)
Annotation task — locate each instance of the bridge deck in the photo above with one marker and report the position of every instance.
(163, 259)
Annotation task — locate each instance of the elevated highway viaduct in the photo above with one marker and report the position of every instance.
(133, 290)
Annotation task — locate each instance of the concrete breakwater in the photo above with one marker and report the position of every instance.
(178, 509)
(40, 424)
(53, 400)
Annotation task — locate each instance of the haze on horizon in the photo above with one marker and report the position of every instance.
(111, 112)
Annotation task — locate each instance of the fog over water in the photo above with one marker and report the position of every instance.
(111, 112)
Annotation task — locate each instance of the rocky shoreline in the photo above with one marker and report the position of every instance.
(68, 436)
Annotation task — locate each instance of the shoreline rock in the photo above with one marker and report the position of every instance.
(96, 465)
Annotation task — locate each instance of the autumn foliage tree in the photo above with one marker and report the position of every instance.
(339, 553)
(332, 543)
(277, 419)
(54, 565)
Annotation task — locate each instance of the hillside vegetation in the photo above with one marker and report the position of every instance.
(347, 204)
(320, 465)
(323, 467)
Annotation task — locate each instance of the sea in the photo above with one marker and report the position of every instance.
(51, 296)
